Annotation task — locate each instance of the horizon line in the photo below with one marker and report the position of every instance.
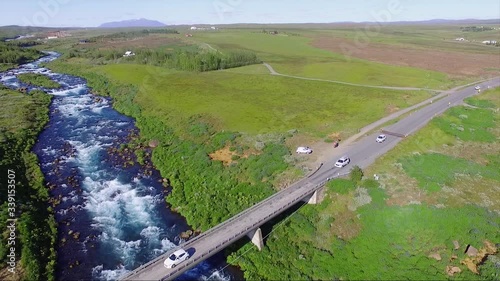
(267, 23)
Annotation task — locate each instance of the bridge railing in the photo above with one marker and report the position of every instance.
(240, 234)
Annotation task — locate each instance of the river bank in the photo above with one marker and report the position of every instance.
(111, 218)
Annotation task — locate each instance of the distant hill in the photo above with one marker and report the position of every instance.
(133, 23)
(13, 31)
(446, 21)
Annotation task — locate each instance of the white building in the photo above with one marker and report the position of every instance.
(128, 54)
(193, 28)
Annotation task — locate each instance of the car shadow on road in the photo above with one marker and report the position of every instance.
(191, 251)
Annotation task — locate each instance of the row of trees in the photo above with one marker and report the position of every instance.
(198, 60)
(132, 34)
(475, 28)
(36, 226)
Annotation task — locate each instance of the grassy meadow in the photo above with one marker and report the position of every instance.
(294, 55)
(248, 101)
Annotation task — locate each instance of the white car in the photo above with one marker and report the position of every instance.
(304, 150)
(381, 138)
(342, 162)
(175, 258)
(477, 87)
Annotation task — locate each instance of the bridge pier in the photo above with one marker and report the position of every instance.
(256, 238)
(313, 199)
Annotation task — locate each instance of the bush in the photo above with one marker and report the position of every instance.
(356, 174)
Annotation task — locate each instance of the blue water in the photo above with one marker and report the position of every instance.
(111, 219)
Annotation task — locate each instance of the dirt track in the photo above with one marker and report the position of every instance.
(453, 63)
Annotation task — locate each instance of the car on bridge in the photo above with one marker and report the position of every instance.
(342, 162)
(176, 258)
(304, 150)
(381, 138)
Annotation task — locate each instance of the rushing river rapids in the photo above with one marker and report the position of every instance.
(111, 219)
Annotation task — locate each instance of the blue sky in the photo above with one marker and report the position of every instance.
(91, 13)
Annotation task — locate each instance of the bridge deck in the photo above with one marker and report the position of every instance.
(212, 241)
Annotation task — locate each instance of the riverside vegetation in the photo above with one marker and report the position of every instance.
(23, 117)
(12, 54)
(39, 80)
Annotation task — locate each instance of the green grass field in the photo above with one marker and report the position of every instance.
(13, 114)
(257, 103)
(294, 55)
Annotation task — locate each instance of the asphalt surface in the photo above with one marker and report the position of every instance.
(362, 153)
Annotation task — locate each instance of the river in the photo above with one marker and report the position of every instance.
(111, 218)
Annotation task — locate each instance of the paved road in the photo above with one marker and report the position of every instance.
(362, 153)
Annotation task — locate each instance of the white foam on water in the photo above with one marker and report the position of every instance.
(167, 245)
(73, 198)
(73, 106)
(73, 90)
(102, 105)
(106, 138)
(86, 154)
(14, 84)
(8, 77)
(113, 205)
(115, 199)
(151, 233)
(216, 275)
(49, 151)
(99, 273)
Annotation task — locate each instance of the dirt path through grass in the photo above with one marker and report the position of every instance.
(273, 72)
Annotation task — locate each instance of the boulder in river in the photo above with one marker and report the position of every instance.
(153, 143)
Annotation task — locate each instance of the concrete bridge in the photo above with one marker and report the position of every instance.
(246, 223)
(363, 152)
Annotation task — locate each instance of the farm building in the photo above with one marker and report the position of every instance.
(128, 54)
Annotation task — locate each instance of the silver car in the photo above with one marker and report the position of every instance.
(342, 162)
(381, 138)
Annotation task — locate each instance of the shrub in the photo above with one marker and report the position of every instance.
(356, 174)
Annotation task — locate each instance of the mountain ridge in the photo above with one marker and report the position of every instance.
(142, 22)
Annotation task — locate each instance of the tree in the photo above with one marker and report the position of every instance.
(356, 174)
